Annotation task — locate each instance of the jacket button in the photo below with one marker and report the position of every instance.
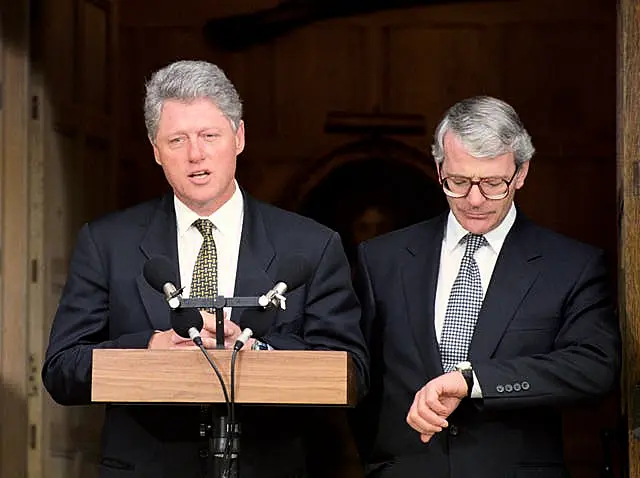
(508, 388)
(517, 387)
(499, 388)
(454, 431)
(525, 385)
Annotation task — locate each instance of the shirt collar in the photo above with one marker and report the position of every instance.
(495, 238)
(226, 219)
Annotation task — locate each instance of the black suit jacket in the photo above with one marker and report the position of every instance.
(106, 303)
(546, 335)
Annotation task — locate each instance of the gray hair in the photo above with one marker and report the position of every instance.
(487, 127)
(187, 81)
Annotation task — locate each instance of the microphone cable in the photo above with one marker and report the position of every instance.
(233, 428)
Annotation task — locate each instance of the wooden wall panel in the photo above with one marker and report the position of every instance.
(61, 23)
(319, 70)
(430, 68)
(562, 81)
(96, 83)
(191, 12)
(259, 97)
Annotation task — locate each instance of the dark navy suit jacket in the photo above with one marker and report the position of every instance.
(106, 303)
(546, 335)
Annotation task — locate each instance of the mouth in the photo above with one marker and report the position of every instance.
(477, 215)
(199, 174)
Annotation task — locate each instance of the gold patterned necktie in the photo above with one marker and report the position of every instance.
(204, 282)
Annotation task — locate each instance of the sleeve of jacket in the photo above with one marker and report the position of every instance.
(81, 324)
(585, 358)
(363, 426)
(331, 313)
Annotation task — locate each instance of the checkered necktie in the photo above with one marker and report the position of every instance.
(463, 307)
(204, 282)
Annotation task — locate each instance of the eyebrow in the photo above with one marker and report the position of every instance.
(449, 175)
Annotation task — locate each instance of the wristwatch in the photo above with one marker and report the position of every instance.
(258, 345)
(466, 370)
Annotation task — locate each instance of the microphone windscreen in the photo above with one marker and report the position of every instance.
(294, 272)
(182, 319)
(158, 271)
(258, 320)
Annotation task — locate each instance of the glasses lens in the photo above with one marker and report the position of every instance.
(456, 186)
(491, 188)
(494, 188)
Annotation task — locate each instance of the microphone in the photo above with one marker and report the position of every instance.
(160, 273)
(293, 274)
(187, 323)
(242, 339)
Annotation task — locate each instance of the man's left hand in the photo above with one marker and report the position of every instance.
(231, 332)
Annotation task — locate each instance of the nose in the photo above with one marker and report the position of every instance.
(475, 197)
(196, 151)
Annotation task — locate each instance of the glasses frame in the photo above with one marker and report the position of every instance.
(477, 182)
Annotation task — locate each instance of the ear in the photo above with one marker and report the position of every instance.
(439, 170)
(522, 174)
(240, 138)
(156, 152)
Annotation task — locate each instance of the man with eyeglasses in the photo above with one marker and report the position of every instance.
(480, 323)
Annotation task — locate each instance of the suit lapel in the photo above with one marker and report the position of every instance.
(160, 239)
(255, 274)
(517, 268)
(420, 278)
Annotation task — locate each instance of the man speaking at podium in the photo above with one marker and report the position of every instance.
(222, 242)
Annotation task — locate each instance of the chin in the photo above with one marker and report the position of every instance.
(478, 226)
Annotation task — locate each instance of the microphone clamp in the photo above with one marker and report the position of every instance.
(173, 295)
(274, 297)
(277, 300)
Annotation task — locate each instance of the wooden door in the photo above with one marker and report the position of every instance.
(14, 71)
(629, 192)
(72, 164)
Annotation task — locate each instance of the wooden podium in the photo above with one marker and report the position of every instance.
(274, 377)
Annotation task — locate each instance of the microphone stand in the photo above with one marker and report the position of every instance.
(226, 443)
(218, 304)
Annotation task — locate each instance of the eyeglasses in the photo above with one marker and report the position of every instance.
(491, 188)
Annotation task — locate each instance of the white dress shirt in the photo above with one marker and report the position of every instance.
(451, 258)
(227, 230)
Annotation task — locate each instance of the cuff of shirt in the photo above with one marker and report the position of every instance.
(476, 391)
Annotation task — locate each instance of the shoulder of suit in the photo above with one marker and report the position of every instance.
(275, 216)
(550, 241)
(135, 216)
(406, 236)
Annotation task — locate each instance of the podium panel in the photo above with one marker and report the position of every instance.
(274, 377)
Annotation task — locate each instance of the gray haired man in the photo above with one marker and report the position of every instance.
(480, 323)
(221, 242)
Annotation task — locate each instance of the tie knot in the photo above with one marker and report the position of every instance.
(474, 242)
(205, 226)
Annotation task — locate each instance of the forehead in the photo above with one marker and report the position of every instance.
(457, 161)
(200, 113)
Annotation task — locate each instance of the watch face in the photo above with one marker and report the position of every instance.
(463, 366)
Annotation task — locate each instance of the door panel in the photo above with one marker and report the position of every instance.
(77, 158)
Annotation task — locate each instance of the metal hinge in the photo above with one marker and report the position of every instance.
(635, 178)
(35, 107)
(33, 436)
(635, 412)
(34, 270)
(33, 384)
